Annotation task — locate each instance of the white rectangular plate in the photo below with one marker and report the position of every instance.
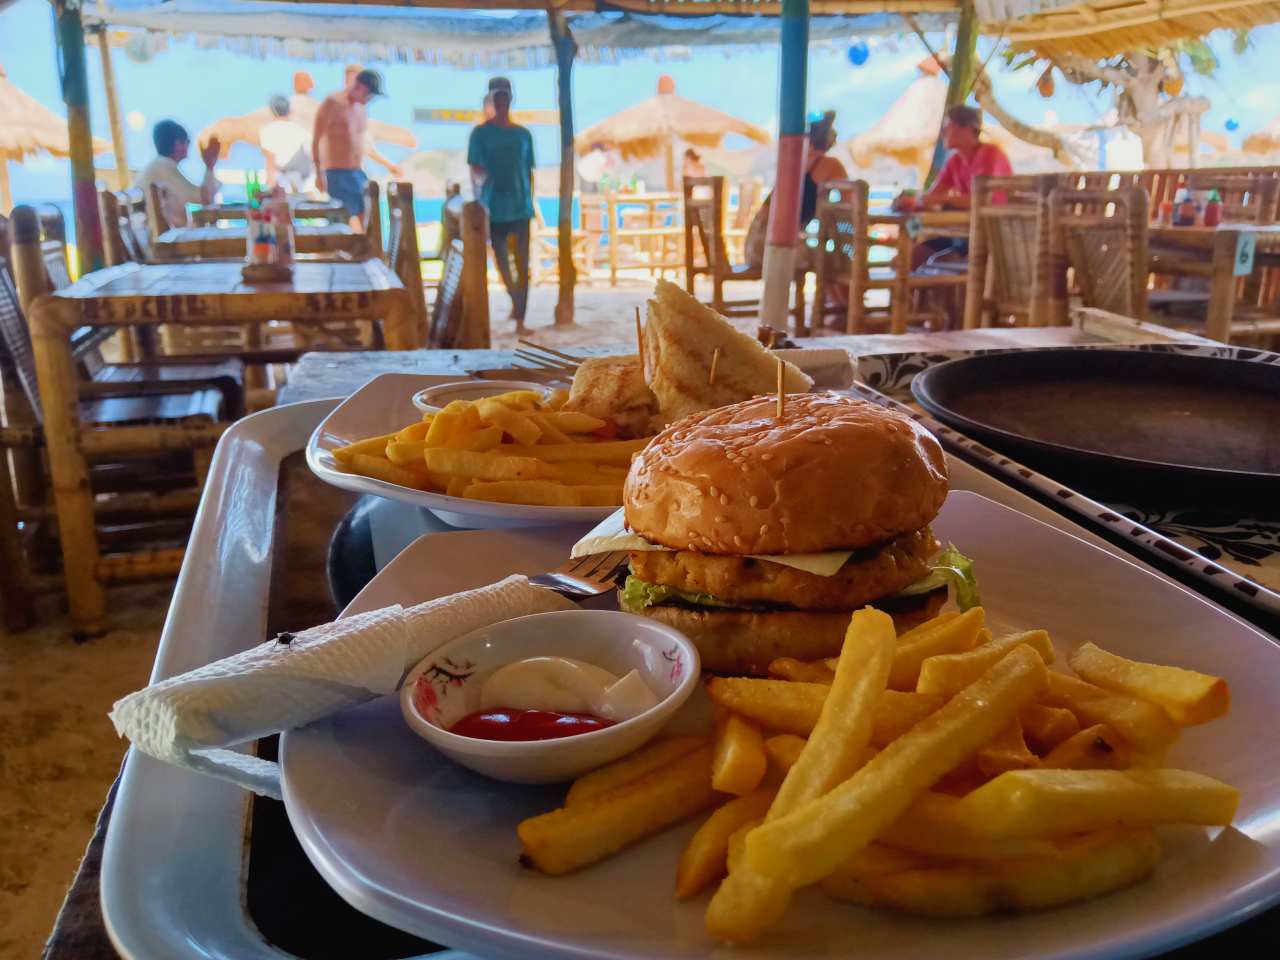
(419, 843)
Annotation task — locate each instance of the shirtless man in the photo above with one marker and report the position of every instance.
(338, 143)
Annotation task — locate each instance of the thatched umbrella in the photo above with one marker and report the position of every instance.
(1265, 141)
(908, 131)
(28, 128)
(652, 127)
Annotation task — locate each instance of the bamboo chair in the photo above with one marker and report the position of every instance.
(1246, 198)
(1009, 252)
(446, 312)
(703, 209)
(373, 216)
(1102, 238)
(750, 196)
(545, 249)
(157, 222)
(407, 262)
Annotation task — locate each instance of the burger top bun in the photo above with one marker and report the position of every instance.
(831, 473)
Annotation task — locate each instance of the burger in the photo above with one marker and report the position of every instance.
(764, 532)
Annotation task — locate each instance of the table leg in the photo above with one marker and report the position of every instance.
(1222, 286)
(72, 496)
(398, 326)
(16, 608)
(255, 375)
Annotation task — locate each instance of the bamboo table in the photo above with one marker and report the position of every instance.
(219, 243)
(331, 210)
(210, 293)
(637, 217)
(1212, 251)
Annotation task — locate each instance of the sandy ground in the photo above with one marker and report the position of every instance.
(59, 752)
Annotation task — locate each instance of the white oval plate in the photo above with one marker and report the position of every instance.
(384, 405)
(417, 842)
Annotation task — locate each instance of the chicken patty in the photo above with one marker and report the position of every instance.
(867, 576)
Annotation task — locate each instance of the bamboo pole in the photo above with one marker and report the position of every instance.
(75, 94)
(118, 145)
(6, 194)
(961, 71)
(784, 209)
(565, 49)
(474, 332)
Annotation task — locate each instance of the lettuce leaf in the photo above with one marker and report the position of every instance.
(951, 568)
(637, 594)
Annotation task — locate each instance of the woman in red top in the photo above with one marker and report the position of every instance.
(970, 157)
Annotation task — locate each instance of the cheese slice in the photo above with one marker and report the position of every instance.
(611, 534)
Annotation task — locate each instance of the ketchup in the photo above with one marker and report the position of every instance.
(502, 724)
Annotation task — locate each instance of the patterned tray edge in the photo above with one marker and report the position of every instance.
(887, 379)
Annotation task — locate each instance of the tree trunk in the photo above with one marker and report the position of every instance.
(961, 71)
(565, 49)
(1023, 131)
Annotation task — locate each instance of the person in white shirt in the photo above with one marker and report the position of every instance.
(286, 146)
(172, 145)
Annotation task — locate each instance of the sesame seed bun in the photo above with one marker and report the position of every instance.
(832, 473)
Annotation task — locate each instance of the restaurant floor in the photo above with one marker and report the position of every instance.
(59, 752)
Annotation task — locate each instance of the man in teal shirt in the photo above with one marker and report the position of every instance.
(501, 157)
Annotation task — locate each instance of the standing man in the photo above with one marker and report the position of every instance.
(337, 145)
(501, 157)
(172, 146)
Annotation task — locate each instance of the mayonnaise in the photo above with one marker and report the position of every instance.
(566, 686)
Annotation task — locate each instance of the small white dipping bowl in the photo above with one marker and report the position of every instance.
(618, 642)
(442, 394)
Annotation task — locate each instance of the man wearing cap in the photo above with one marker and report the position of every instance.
(338, 142)
(501, 157)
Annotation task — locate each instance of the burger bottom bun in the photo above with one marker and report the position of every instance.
(745, 642)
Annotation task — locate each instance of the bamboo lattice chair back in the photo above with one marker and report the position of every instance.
(407, 263)
(446, 312)
(843, 242)
(113, 244)
(1009, 251)
(1102, 237)
(373, 216)
(15, 343)
(157, 222)
(703, 208)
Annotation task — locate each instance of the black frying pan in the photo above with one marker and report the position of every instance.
(1120, 419)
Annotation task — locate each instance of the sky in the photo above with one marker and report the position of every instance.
(197, 86)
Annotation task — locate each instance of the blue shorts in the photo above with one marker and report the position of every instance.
(347, 187)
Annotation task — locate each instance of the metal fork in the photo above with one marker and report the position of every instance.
(540, 362)
(585, 577)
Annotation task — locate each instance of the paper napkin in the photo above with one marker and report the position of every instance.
(191, 720)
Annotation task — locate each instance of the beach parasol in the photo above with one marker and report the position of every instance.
(1265, 140)
(28, 128)
(653, 126)
(908, 131)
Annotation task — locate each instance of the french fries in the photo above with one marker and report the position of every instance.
(1008, 751)
(789, 668)
(705, 858)
(937, 636)
(570, 838)
(1143, 724)
(945, 674)
(511, 448)
(739, 762)
(1047, 727)
(653, 756)
(1187, 696)
(1094, 748)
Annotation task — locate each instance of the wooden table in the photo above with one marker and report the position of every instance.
(926, 223)
(636, 217)
(207, 293)
(214, 243)
(1211, 252)
(331, 210)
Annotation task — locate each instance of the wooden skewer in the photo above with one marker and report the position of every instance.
(640, 341)
(781, 396)
(715, 362)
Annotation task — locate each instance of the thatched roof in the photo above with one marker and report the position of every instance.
(1265, 140)
(1101, 28)
(648, 127)
(27, 127)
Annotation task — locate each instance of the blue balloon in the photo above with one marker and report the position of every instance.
(859, 52)
(1233, 124)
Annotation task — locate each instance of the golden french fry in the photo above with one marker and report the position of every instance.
(1143, 724)
(783, 750)
(653, 756)
(478, 441)
(789, 668)
(580, 472)
(1079, 868)
(1046, 727)
(519, 399)
(746, 904)
(557, 399)
(456, 486)
(1187, 696)
(794, 707)
(456, 417)
(738, 844)
(740, 762)
(550, 432)
(947, 673)
(937, 636)
(1094, 748)
(518, 426)
(812, 840)
(414, 432)
(547, 493)
(933, 827)
(610, 451)
(573, 421)
(373, 446)
(1008, 751)
(481, 466)
(1048, 802)
(573, 837)
(704, 859)
(385, 470)
(405, 452)
(840, 738)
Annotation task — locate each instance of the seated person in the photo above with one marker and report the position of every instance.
(172, 145)
(970, 157)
